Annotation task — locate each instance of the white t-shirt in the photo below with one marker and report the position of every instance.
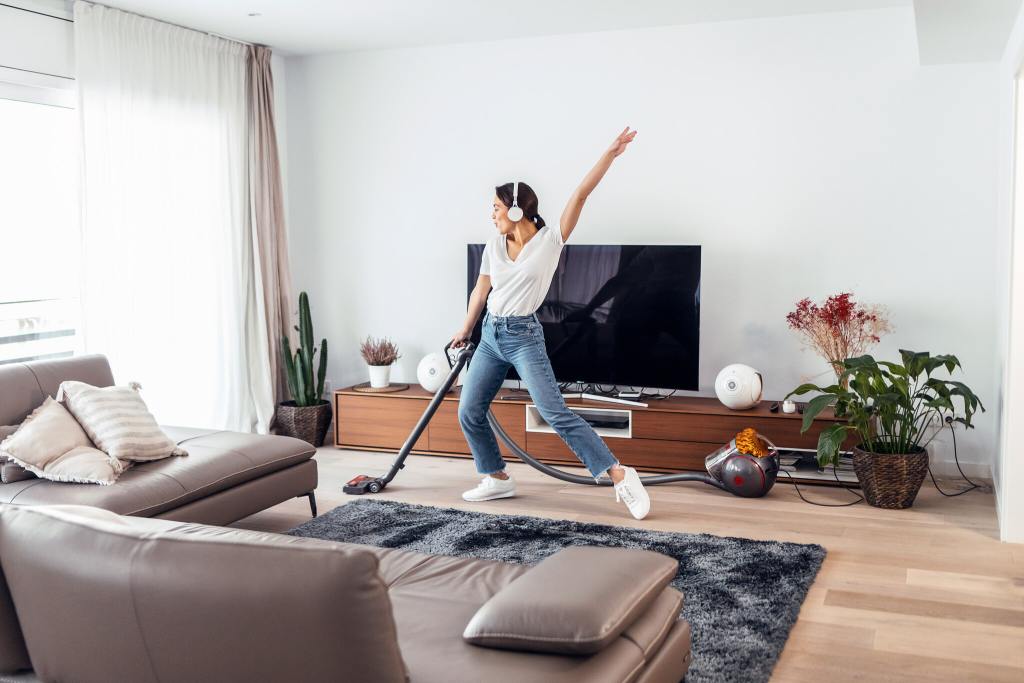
(519, 287)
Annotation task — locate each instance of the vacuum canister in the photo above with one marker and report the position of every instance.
(746, 466)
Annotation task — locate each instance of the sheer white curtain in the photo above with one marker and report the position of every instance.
(169, 285)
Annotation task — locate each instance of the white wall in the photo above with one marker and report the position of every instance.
(1008, 468)
(807, 155)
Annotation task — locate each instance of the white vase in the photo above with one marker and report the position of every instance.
(380, 375)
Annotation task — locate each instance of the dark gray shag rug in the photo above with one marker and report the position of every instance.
(742, 596)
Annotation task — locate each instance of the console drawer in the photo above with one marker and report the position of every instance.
(378, 421)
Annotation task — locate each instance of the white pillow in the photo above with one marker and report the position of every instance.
(117, 421)
(52, 445)
(11, 471)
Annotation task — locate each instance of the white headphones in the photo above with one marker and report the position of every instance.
(515, 214)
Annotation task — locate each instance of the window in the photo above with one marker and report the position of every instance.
(40, 245)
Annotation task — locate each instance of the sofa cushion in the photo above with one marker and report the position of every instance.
(23, 386)
(430, 634)
(529, 614)
(418, 573)
(151, 600)
(434, 596)
(231, 458)
(216, 461)
(52, 445)
(19, 393)
(118, 421)
(91, 368)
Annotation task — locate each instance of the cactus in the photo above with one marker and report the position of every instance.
(299, 367)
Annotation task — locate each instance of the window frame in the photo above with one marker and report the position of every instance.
(43, 90)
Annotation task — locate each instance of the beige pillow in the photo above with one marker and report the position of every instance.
(11, 471)
(52, 445)
(117, 421)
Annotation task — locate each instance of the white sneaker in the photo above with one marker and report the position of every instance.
(631, 492)
(491, 488)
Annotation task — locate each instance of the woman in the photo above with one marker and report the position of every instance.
(515, 273)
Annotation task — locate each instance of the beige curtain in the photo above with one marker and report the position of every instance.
(267, 214)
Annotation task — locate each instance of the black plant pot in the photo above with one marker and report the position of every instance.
(890, 480)
(308, 423)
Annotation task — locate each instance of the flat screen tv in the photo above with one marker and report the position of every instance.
(627, 315)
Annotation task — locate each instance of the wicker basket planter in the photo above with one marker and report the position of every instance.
(890, 481)
(308, 423)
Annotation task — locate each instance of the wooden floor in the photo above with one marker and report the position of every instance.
(926, 594)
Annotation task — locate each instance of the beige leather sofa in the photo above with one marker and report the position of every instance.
(225, 477)
(89, 596)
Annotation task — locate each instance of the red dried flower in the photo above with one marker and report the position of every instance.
(839, 328)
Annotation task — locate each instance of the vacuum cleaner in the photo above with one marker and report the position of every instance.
(747, 466)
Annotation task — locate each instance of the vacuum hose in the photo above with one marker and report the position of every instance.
(463, 358)
(577, 479)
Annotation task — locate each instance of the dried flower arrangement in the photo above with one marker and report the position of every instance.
(379, 351)
(839, 328)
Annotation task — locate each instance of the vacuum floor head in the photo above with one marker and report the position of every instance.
(363, 484)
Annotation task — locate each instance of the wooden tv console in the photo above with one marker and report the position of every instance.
(670, 435)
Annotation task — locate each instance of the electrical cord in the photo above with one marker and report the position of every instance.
(860, 498)
(956, 459)
(657, 397)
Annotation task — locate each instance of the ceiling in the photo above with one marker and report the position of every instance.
(948, 31)
(312, 26)
(975, 31)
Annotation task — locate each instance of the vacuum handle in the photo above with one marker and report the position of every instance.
(465, 351)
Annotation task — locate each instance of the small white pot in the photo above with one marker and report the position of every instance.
(380, 375)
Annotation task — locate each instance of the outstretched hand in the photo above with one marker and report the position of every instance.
(571, 214)
(621, 142)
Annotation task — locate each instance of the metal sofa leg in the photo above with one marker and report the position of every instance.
(312, 502)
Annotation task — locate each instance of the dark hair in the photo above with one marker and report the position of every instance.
(527, 201)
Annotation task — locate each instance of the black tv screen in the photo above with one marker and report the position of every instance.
(627, 315)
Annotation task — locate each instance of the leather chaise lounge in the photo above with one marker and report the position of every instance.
(225, 477)
(171, 602)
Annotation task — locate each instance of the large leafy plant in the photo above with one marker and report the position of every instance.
(889, 405)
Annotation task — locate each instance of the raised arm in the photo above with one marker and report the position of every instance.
(571, 214)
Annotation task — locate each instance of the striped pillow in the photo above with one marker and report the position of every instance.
(117, 421)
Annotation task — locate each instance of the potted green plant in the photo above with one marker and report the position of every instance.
(379, 355)
(889, 406)
(307, 416)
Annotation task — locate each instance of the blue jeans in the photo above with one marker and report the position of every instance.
(518, 341)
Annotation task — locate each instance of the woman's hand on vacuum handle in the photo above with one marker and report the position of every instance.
(460, 338)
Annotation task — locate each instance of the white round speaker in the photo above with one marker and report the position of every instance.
(739, 386)
(515, 214)
(432, 371)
